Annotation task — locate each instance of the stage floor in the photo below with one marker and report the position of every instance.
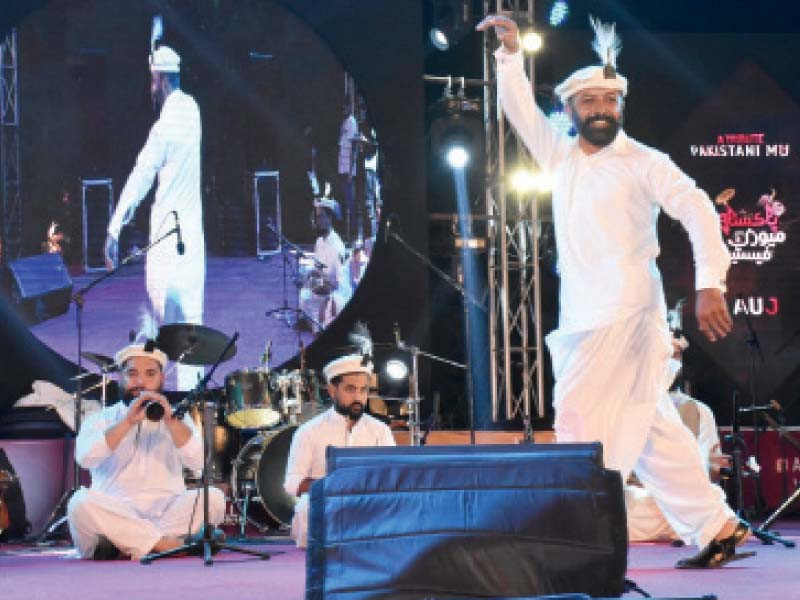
(29, 573)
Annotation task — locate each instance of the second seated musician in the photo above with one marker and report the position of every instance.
(343, 424)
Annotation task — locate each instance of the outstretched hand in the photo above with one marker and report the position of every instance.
(505, 29)
(713, 318)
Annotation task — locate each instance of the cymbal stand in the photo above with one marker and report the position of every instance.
(205, 543)
(468, 298)
(54, 521)
(289, 315)
(414, 421)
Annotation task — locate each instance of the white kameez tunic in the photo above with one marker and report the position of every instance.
(611, 349)
(307, 454)
(137, 494)
(175, 283)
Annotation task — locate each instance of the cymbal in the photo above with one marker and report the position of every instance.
(102, 361)
(191, 344)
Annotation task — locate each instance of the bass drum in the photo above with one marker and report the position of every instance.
(258, 474)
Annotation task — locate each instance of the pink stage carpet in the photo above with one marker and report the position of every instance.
(33, 573)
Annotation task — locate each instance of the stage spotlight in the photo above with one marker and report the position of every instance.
(456, 130)
(395, 369)
(531, 41)
(451, 21)
(523, 180)
(439, 39)
(559, 11)
(457, 155)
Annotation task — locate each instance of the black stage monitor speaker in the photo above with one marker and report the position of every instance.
(442, 522)
(42, 286)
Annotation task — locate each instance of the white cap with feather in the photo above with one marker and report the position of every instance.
(607, 46)
(143, 342)
(163, 59)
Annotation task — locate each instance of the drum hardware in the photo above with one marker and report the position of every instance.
(291, 316)
(290, 405)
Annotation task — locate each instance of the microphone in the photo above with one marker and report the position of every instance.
(179, 247)
(396, 331)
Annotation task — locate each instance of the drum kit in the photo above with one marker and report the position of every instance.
(257, 412)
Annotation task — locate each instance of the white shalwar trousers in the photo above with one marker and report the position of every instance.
(91, 514)
(611, 387)
(176, 290)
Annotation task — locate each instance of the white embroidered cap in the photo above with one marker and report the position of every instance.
(345, 365)
(165, 60)
(136, 350)
(590, 77)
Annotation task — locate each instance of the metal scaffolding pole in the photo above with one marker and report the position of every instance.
(513, 257)
(11, 231)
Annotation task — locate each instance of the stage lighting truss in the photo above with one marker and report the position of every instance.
(515, 334)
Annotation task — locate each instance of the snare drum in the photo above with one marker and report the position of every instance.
(250, 403)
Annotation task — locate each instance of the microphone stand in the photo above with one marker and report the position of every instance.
(205, 544)
(414, 399)
(285, 313)
(754, 345)
(766, 537)
(54, 521)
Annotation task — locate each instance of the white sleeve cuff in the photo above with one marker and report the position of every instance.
(707, 278)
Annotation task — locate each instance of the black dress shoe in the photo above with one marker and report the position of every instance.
(105, 550)
(718, 552)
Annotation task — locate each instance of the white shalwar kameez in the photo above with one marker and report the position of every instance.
(646, 522)
(137, 494)
(611, 349)
(307, 455)
(175, 283)
(323, 308)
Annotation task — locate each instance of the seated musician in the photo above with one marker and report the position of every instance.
(327, 289)
(645, 520)
(138, 503)
(343, 424)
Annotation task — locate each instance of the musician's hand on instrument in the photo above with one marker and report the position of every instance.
(162, 400)
(111, 252)
(713, 318)
(136, 410)
(504, 28)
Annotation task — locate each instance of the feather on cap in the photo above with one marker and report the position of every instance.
(607, 45)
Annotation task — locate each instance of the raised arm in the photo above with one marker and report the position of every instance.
(516, 96)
